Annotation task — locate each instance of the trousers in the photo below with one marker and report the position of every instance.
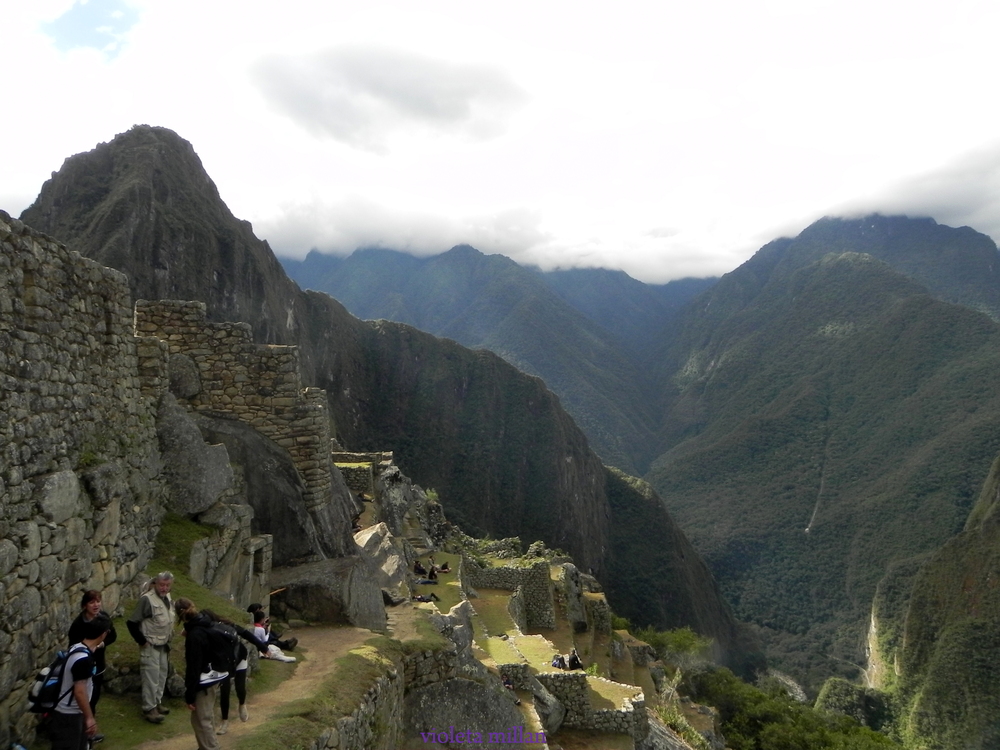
(154, 661)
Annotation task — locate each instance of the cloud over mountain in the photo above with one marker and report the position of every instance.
(363, 95)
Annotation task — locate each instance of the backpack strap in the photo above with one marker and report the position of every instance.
(62, 673)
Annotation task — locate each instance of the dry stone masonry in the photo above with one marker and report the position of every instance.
(533, 580)
(256, 383)
(81, 499)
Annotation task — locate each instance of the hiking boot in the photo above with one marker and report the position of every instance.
(223, 728)
(290, 644)
(153, 716)
(244, 714)
(163, 709)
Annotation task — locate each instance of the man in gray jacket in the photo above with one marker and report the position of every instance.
(152, 627)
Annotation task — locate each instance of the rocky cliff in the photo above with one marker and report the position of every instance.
(496, 443)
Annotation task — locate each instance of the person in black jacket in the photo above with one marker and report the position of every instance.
(237, 669)
(200, 679)
(90, 608)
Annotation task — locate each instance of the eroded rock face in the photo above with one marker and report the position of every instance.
(273, 488)
(342, 590)
(462, 706)
(197, 473)
(457, 627)
(380, 547)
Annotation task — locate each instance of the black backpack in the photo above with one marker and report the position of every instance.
(224, 645)
(44, 694)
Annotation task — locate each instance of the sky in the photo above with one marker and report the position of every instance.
(666, 139)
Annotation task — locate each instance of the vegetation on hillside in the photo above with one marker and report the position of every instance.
(755, 720)
(839, 422)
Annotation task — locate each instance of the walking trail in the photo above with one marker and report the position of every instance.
(323, 644)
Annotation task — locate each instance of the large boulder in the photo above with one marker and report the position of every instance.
(341, 590)
(379, 546)
(274, 489)
(197, 474)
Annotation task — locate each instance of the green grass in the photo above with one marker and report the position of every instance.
(501, 651)
(608, 694)
(491, 606)
(537, 650)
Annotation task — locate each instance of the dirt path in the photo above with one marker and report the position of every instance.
(323, 644)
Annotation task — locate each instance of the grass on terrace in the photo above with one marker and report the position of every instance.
(605, 694)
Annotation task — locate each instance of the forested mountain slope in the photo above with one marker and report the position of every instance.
(504, 455)
(825, 417)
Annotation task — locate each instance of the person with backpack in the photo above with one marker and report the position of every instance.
(152, 627)
(237, 668)
(207, 654)
(90, 608)
(72, 722)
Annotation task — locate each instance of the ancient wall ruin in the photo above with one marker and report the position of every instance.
(573, 691)
(533, 580)
(81, 499)
(216, 367)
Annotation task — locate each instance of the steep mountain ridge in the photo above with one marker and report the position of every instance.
(490, 302)
(496, 443)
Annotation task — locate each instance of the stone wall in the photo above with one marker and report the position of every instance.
(257, 384)
(81, 499)
(598, 612)
(360, 477)
(533, 580)
(517, 609)
(572, 690)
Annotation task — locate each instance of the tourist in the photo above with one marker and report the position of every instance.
(574, 660)
(90, 608)
(261, 623)
(559, 661)
(419, 569)
(73, 725)
(445, 567)
(200, 677)
(431, 597)
(152, 627)
(432, 574)
(237, 672)
(272, 637)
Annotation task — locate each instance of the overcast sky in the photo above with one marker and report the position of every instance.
(667, 139)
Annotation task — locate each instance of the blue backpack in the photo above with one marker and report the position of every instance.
(44, 694)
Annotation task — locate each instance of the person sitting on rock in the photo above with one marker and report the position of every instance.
(559, 661)
(419, 569)
(574, 660)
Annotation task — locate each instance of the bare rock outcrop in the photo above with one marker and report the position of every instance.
(344, 590)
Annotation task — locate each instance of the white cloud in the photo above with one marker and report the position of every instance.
(962, 192)
(341, 227)
(362, 95)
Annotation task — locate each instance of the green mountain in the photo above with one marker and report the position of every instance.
(496, 443)
(826, 418)
(936, 633)
(631, 311)
(490, 302)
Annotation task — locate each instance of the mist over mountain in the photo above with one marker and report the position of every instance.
(496, 444)
(842, 381)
